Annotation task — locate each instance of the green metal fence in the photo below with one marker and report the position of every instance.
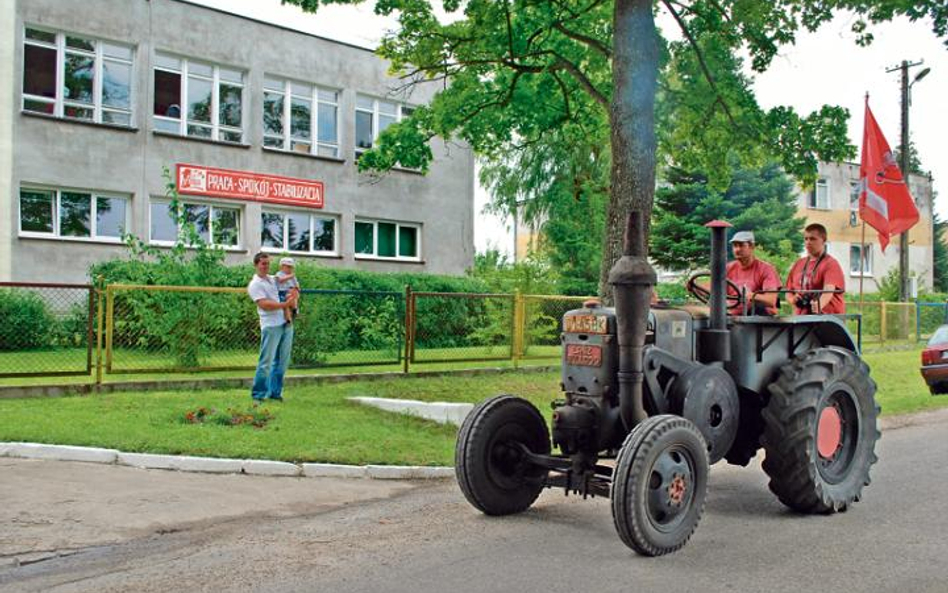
(46, 330)
(163, 329)
(67, 329)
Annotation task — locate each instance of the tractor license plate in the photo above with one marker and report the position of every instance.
(585, 324)
(584, 355)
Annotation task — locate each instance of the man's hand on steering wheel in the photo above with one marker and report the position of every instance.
(733, 299)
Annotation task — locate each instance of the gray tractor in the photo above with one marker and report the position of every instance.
(665, 392)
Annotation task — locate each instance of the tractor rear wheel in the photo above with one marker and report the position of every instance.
(820, 431)
(659, 485)
(488, 458)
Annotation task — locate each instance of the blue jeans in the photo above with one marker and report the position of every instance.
(276, 343)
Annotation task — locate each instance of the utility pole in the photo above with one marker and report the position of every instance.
(904, 165)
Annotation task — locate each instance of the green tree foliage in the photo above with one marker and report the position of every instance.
(559, 186)
(759, 200)
(500, 275)
(514, 71)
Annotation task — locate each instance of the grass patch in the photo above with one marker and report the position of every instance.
(317, 423)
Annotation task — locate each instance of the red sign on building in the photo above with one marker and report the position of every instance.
(244, 185)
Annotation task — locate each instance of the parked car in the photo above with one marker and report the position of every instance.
(935, 361)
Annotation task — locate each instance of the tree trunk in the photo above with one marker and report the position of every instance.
(632, 117)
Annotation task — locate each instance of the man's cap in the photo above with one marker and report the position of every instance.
(287, 261)
(743, 237)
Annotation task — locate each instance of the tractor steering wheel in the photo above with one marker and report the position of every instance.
(733, 299)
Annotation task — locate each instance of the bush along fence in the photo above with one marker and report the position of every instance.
(64, 329)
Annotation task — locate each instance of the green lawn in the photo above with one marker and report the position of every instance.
(315, 424)
(318, 424)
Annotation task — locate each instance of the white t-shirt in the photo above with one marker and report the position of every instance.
(266, 288)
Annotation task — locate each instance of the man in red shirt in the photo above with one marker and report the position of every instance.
(817, 270)
(752, 275)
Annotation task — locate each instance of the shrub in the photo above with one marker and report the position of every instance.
(27, 322)
(72, 331)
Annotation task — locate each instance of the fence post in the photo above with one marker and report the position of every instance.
(882, 323)
(518, 327)
(100, 314)
(918, 318)
(109, 326)
(408, 326)
(918, 322)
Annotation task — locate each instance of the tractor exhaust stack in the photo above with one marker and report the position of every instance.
(633, 279)
(714, 342)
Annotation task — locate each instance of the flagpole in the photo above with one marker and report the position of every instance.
(862, 250)
(862, 264)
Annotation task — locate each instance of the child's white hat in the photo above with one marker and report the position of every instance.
(287, 261)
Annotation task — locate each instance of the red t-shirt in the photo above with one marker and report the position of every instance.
(758, 276)
(818, 275)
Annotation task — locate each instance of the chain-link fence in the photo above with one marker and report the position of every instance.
(928, 316)
(456, 327)
(179, 328)
(46, 329)
(539, 324)
(349, 328)
(50, 329)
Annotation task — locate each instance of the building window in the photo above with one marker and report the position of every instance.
(298, 232)
(856, 262)
(300, 117)
(387, 240)
(819, 195)
(372, 117)
(96, 77)
(215, 225)
(211, 96)
(854, 191)
(72, 214)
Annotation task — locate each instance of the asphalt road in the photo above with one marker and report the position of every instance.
(157, 532)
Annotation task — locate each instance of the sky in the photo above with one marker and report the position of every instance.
(825, 67)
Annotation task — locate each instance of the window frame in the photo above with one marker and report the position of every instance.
(184, 72)
(813, 201)
(866, 271)
(375, 240)
(59, 102)
(399, 116)
(315, 108)
(94, 236)
(210, 217)
(855, 189)
(312, 216)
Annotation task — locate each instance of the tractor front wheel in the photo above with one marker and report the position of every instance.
(820, 431)
(659, 485)
(488, 458)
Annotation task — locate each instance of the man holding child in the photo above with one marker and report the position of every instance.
(276, 328)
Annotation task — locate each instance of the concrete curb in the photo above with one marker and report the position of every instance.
(215, 465)
(441, 412)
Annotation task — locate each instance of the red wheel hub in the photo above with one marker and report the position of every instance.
(677, 489)
(829, 432)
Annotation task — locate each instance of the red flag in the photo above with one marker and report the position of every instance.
(884, 199)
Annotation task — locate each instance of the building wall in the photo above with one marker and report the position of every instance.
(844, 228)
(7, 101)
(73, 155)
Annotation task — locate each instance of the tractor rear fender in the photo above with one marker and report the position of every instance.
(760, 346)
